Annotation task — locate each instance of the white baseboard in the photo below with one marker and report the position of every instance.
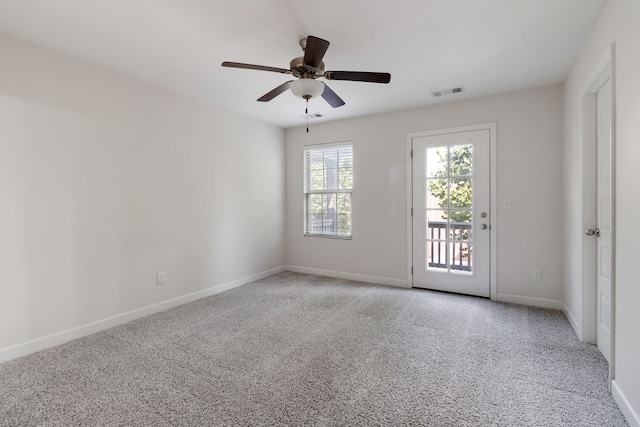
(531, 301)
(22, 349)
(577, 328)
(627, 410)
(351, 276)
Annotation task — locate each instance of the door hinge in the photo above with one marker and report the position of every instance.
(412, 153)
(412, 270)
(411, 211)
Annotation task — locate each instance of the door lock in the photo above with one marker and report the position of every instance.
(484, 226)
(593, 232)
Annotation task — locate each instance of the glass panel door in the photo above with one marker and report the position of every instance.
(451, 200)
(449, 208)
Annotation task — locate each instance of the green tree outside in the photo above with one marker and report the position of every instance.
(454, 192)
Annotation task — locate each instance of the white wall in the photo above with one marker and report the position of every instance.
(529, 153)
(105, 181)
(618, 23)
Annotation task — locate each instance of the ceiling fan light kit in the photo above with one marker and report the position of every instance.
(306, 88)
(307, 69)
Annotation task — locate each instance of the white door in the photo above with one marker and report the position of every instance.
(451, 218)
(603, 191)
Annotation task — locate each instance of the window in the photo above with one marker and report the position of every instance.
(328, 185)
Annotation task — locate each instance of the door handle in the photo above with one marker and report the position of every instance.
(593, 232)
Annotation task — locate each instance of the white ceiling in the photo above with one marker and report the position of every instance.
(489, 46)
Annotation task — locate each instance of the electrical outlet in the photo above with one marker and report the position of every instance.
(323, 253)
(537, 274)
(162, 278)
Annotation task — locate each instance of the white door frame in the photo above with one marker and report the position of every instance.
(493, 260)
(587, 161)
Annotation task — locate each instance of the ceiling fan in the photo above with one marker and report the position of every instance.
(307, 69)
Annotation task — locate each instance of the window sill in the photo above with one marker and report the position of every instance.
(330, 237)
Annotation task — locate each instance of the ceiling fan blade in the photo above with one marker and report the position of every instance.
(314, 50)
(358, 76)
(255, 67)
(331, 97)
(275, 92)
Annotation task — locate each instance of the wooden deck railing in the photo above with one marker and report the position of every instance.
(458, 242)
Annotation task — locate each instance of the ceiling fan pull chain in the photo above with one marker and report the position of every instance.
(306, 113)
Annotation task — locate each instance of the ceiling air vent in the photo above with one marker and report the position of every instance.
(311, 116)
(449, 91)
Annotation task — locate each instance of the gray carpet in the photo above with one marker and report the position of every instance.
(295, 349)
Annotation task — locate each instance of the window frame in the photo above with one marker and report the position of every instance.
(307, 192)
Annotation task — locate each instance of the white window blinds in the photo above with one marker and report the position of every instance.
(328, 187)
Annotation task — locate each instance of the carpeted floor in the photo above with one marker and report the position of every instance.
(295, 349)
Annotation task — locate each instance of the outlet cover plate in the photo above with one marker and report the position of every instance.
(537, 274)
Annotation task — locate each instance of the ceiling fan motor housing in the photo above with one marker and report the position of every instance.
(301, 70)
